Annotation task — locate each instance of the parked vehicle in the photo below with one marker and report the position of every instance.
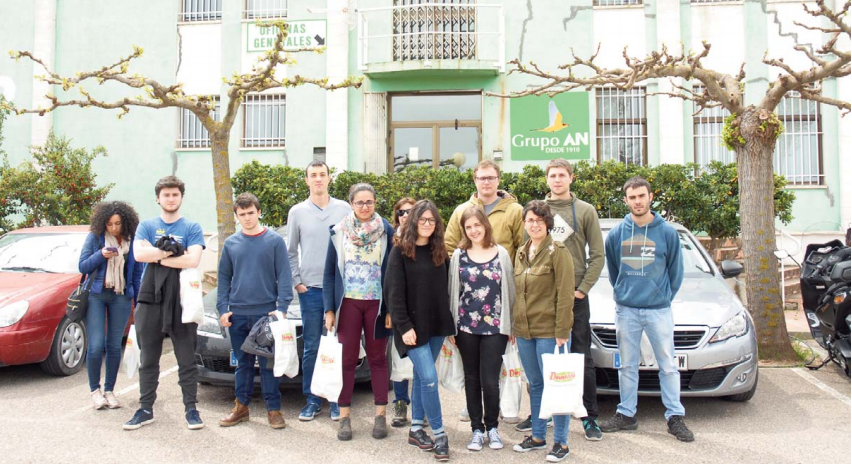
(714, 334)
(825, 298)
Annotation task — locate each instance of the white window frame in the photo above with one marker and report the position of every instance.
(265, 9)
(200, 10)
(638, 115)
(191, 133)
(802, 121)
(271, 120)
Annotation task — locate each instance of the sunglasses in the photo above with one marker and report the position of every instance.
(402, 212)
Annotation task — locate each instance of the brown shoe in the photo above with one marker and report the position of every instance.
(276, 420)
(240, 413)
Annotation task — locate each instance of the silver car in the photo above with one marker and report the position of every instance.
(714, 335)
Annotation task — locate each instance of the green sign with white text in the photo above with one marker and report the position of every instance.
(545, 128)
(300, 34)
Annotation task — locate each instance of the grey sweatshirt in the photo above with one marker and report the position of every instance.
(307, 238)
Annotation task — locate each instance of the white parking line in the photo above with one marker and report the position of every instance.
(128, 389)
(822, 386)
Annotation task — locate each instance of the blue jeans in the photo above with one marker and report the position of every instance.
(244, 375)
(106, 320)
(400, 391)
(659, 326)
(424, 390)
(530, 351)
(313, 320)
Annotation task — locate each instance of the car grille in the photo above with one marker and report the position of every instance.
(649, 380)
(683, 339)
(215, 363)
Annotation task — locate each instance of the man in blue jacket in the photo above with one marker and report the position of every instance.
(645, 266)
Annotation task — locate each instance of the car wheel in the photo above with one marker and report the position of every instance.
(743, 397)
(68, 350)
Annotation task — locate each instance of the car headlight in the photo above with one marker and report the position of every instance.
(12, 313)
(210, 322)
(736, 326)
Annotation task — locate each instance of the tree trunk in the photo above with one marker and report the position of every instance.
(222, 183)
(757, 130)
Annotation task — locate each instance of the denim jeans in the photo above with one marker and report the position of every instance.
(425, 400)
(400, 391)
(659, 326)
(244, 375)
(530, 351)
(106, 320)
(313, 320)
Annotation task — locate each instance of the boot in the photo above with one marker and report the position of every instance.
(276, 420)
(240, 413)
(380, 427)
(345, 431)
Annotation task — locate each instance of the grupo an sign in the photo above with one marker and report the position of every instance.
(300, 34)
(546, 128)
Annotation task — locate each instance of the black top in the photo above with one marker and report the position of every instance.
(418, 297)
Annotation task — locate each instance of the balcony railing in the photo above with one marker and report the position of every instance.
(429, 32)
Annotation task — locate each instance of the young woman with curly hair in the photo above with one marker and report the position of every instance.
(107, 258)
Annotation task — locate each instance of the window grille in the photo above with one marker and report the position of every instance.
(426, 30)
(798, 151)
(192, 133)
(616, 2)
(200, 10)
(265, 9)
(707, 134)
(264, 120)
(622, 125)
(713, 1)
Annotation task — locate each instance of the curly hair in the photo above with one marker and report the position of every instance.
(436, 240)
(541, 209)
(106, 209)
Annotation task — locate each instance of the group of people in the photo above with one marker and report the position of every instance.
(498, 273)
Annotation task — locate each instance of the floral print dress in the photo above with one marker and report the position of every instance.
(362, 271)
(480, 305)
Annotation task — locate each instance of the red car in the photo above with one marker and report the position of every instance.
(38, 270)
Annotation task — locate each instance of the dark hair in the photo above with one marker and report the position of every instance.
(409, 233)
(540, 209)
(397, 206)
(636, 182)
(361, 187)
(478, 213)
(245, 200)
(101, 213)
(169, 182)
(559, 163)
(316, 164)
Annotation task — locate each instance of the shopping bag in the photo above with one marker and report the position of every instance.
(510, 382)
(563, 384)
(131, 353)
(449, 367)
(328, 372)
(191, 297)
(286, 352)
(401, 368)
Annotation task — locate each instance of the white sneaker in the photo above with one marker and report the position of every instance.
(98, 400)
(463, 415)
(494, 441)
(476, 441)
(111, 401)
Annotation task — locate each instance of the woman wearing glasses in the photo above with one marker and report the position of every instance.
(352, 295)
(401, 210)
(416, 289)
(543, 315)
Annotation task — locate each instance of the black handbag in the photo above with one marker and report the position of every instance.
(78, 301)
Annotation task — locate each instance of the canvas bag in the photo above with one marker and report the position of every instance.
(191, 296)
(449, 367)
(327, 381)
(132, 354)
(286, 351)
(510, 382)
(563, 384)
(401, 368)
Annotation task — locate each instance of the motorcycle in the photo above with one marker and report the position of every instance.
(825, 298)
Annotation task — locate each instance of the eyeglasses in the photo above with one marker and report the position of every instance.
(364, 204)
(402, 212)
(486, 179)
(534, 221)
(427, 221)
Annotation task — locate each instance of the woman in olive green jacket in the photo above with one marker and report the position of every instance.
(542, 317)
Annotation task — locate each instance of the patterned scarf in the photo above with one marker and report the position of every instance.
(362, 233)
(114, 276)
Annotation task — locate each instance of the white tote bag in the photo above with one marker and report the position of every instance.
(191, 297)
(286, 352)
(450, 369)
(327, 381)
(510, 382)
(132, 353)
(563, 384)
(401, 368)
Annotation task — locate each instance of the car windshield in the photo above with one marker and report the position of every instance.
(42, 252)
(694, 264)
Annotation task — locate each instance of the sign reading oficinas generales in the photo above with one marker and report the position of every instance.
(300, 34)
(546, 128)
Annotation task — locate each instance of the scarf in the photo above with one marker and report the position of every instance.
(362, 233)
(114, 276)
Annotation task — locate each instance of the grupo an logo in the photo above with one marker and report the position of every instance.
(546, 128)
(562, 376)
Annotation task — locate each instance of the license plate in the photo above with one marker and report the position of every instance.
(681, 362)
(234, 360)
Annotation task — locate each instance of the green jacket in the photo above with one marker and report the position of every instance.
(507, 224)
(544, 291)
(587, 268)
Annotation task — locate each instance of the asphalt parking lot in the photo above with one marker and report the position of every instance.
(796, 416)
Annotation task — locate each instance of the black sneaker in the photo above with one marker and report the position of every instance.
(529, 444)
(421, 440)
(593, 431)
(525, 425)
(678, 428)
(193, 420)
(140, 418)
(557, 454)
(442, 448)
(619, 422)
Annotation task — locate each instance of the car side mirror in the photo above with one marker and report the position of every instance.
(731, 269)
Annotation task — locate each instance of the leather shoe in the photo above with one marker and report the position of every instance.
(240, 413)
(276, 420)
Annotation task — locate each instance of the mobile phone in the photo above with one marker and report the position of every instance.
(112, 249)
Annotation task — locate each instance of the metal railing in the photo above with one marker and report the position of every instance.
(264, 120)
(432, 31)
(200, 10)
(265, 9)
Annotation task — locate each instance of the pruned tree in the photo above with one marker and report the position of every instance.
(751, 131)
(158, 96)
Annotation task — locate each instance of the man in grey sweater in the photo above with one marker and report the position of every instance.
(308, 226)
